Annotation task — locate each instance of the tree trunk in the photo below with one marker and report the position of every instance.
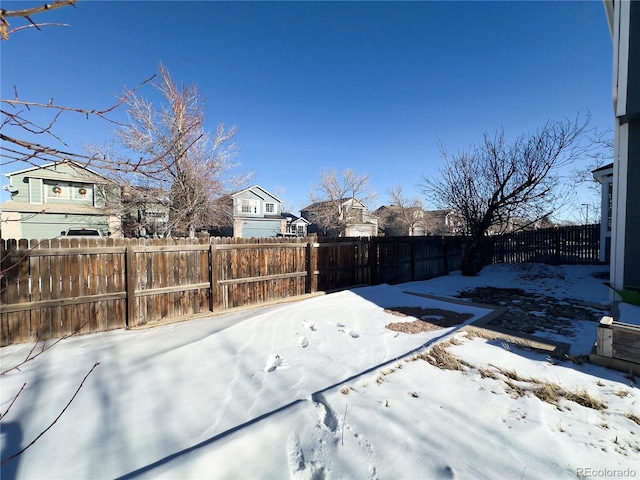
(474, 260)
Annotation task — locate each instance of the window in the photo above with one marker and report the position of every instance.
(82, 192)
(270, 207)
(249, 206)
(57, 190)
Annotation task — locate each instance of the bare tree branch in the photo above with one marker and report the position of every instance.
(27, 13)
(13, 401)
(8, 459)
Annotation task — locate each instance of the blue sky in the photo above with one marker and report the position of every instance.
(372, 86)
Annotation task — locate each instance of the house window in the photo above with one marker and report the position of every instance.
(81, 192)
(270, 207)
(249, 206)
(57, 190)
(300, 231)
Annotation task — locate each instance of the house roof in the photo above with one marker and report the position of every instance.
(77, 165)
(253, 190)
(604, 167)
(315, 205)
(295, 218)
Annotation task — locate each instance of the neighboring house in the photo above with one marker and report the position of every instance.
(51, 198)
(396, 221)
(256, 214)
(145, 212)
(604, 176)
(296, 225)
(348, 217)
(624, 22)
(443, 222)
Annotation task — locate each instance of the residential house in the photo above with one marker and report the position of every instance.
(604, 176)
(297, 226)
(348, 217)
(48, 199)
(145, 212)
(256, 214)
(624, 23)
(397, 221)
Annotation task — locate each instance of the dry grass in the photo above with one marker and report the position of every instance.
(440, 357)
(486, 373)
(582, 397)
(633, 417)
(548, 392)
(427, 319)
(514, 389)
(516, 385)
(510, 374)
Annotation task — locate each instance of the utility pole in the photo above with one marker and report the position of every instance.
(586, 205)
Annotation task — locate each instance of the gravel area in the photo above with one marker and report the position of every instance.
(531, 313)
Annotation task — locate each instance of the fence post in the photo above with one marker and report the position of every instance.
(412, 253)
(373, 261)
(213, 278)
(556, 239)
(445, 255)
(130, 279)
(310, 268)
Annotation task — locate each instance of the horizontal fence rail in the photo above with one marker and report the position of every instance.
(53, 288)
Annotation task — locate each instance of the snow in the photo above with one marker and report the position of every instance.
(629, 313)
(321, 389)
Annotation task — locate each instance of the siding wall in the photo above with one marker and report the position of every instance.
(632, 237)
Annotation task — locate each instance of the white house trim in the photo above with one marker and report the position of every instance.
(618, 220)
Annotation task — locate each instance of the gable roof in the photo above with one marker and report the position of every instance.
(324, 203)
(295, 218)
(262, 192)
(48, 166)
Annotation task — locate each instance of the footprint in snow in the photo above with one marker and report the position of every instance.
(299, 468)
(349, 332)
(303, 342)
(310, 325)
(273, 363)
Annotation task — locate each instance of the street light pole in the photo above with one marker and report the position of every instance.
(587, 205)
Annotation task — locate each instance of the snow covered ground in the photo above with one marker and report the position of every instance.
(321, 389)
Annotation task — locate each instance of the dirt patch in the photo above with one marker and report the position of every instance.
(427, 319)
(533, 312)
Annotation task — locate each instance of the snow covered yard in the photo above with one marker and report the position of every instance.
(322, 389)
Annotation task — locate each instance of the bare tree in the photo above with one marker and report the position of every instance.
(404, 215)
(192, 166)
(328, 197)
(495, 183)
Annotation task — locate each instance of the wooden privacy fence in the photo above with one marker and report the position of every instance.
(579, 244)
(52, 288)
